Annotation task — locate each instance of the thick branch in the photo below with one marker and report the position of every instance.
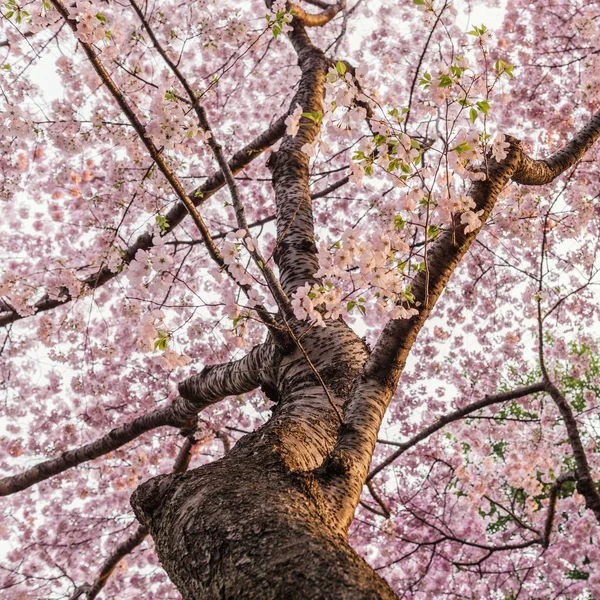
(71, 458)
(554, 489)
(211, 385)
(215, 382)
(455, 416)
(311, 20)
(296, 253)
(373, 390)
(541, 172)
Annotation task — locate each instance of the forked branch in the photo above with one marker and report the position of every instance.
(376, 385)
(320, 19)
(461, 413)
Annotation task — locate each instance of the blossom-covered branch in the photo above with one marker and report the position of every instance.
(211, 385)
(378, 381)
(154, 152)
(585, 483)
(217, 151)
(160, 161)
(461, 413)
(541, 172)
(554, 489)
(174, 217)
(318, 20)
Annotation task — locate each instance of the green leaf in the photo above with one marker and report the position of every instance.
(445, 81)
(473, 115)
(162, 341)
(419, 2)
(314, 116)
(162, 222)
(340, 67)
(350, 305)
(101, 17)
(462, 147)
(483, 106)
(362, 309)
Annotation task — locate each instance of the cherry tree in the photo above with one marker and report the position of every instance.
(297, 300)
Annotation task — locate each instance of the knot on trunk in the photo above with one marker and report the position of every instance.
(148, 497)
(337, 464)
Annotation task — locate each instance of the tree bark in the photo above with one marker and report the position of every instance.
(257, 524)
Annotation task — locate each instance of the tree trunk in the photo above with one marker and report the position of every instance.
(258, 523)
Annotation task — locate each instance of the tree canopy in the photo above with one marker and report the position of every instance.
(365, 232)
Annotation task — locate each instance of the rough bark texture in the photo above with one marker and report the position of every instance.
(246, 527)
(256, 524)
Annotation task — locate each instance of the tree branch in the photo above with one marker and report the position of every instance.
(156, 155)
(455, 416)
(374, 388)
(215, 382)
(279, 295)
(311, 20)
(71, 458)
(379, 500)
(296, 253)
(541, 172)
(552, 505)
(154, 152)
(210, 386)
(583, 475)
